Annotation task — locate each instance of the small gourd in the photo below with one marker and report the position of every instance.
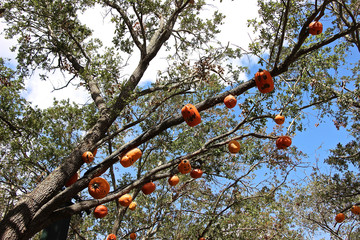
(283, 142)
(191, 115)
(148, 188)
(264, 81)
(132, 236)
(230, 101)
(184, 166)
(87, 157)
(196, 173)
(100, 211)
(315, 28)
(355, 210)
(130, 157)
(132, 206)
(340, 217)
(125, 200)
(173, 180)
(98, 187)
(279, 119)
(234, 146)
(111, 236)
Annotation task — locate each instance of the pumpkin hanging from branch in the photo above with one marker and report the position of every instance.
(283, 142)
(355, 210)
(264, 81)
(100, 211)
(196, 173)
(184, 166)
(340, 217)
(234, 146)
(72, 180)
(87, 157)
(173, 180)
(98, 187)
(132, 206)
(133, 236)
(191, 115)
(130, 157)
(315, 28)
(230, 101)
(148, 188)
(125, 200)
(279, 119)
(111, 236)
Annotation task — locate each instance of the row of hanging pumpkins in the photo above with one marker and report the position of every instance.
(316, 28)
(340, 217)
(99, 187)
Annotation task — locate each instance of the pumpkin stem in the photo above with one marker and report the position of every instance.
(260, 70)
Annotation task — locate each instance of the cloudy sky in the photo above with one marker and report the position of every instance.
(41, 93)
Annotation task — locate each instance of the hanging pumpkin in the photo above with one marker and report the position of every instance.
(184, 166)
(234, 146)
(315, 28)
(148, 188)
(355, 210)
(283, 142)
(132, 236)
(191, 115)
(87, 157)
(130, 157)
(196, 173)
(111, 236)
(264, 81)
(340, 217)
(132, 206)
(98, 187)
(173, 180)
(100, 211)
(230, 101)
(125, 200)
(279, 119)
(72, 180)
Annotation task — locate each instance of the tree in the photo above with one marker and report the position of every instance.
(123, 115)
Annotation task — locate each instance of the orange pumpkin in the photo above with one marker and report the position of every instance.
(100, 211)
(132, 206)
(132, 236)
(87, 157)
(98, 187)
(279, 119)
(173, 180)
(111, 236)
(191, 115)
(315, 28)
(340, 217)
(355, 210)
(283, 142)
(230, 101)
(148, 188)
(196, 173)
(234, 146)
(125, 200)
(130, 157)
(202, 238)
(184, 166)
(72, 180)
(264, 81)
